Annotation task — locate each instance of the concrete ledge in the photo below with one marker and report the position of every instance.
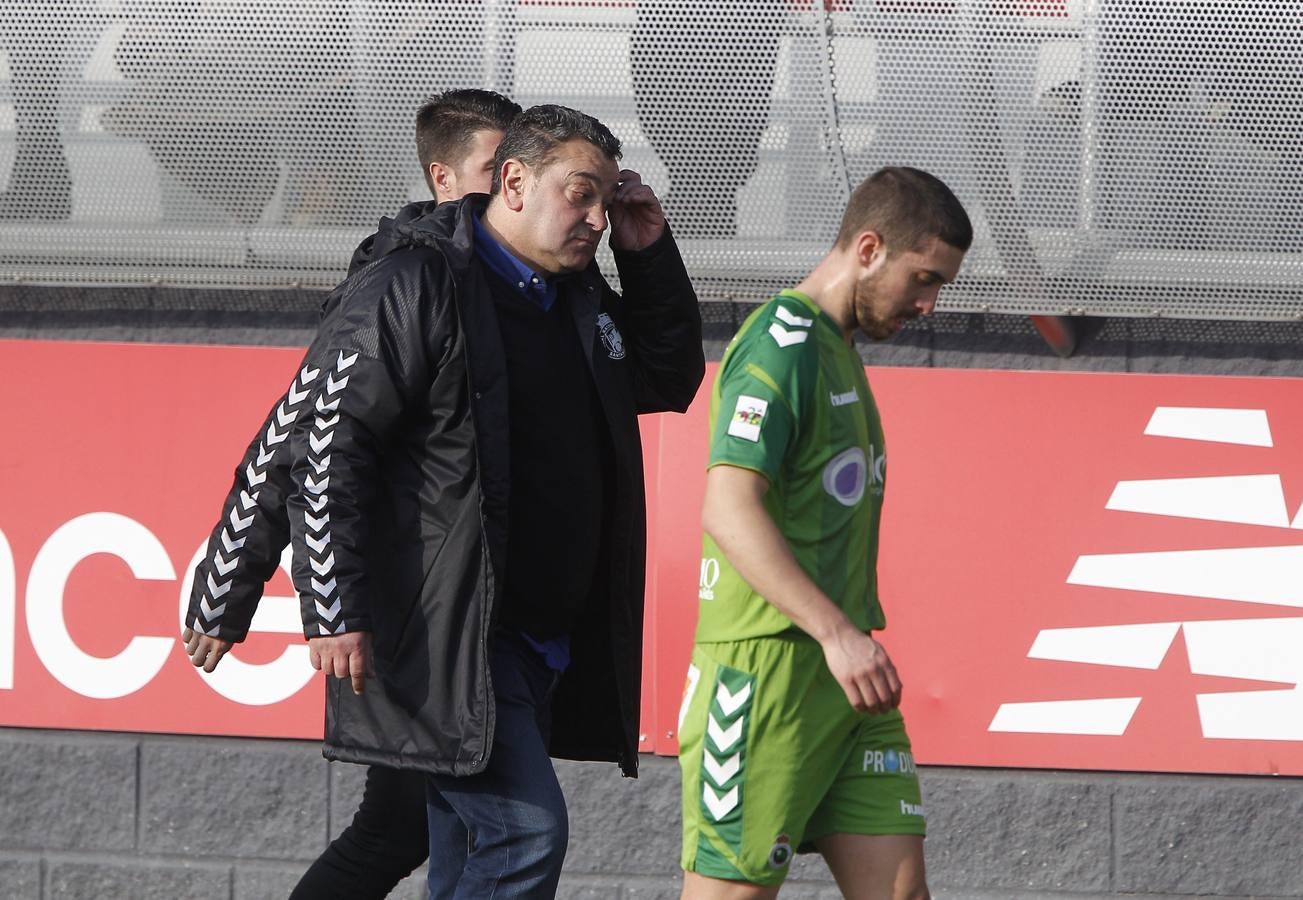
(20, 877)
(98, 880)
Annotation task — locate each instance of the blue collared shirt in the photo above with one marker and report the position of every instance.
(503, 263)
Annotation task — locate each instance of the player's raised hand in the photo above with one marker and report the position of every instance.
(637, 220)
(203, 650)
(863, 669)
(344, 656)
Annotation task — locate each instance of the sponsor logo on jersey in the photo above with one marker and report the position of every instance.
(845, 398)
(911, 809)
(781, 853)
(709, 578)
(748, 416)
(612, 340)
(877, 470)
(889, 762)
(845, 475)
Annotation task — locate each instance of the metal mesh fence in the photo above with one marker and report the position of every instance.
(1137, 157)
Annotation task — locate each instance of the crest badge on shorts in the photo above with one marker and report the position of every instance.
(612, 340)
(781, 853)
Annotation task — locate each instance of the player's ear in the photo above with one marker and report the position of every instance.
(869, 247)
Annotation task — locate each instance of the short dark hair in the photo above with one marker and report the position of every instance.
(537, 132)
(448, 122)
(906, 207)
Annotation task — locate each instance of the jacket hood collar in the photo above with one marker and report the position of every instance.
(446, 226)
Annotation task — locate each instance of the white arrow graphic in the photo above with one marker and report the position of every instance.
(247, 500)
(210, 612)
(323, 424)
(317, 503)
(327, 612)
(323, 567)
(230, 545)
(325, 630)
(320, 443)
(317, 545)
(320, 466)
(284, 417)
(784, 338)
(296, 396)
(223, 565)
(253, 476)
(317, 524)
(216, 589)
(323, 406)
(719, 806)
(324, 588)
(316, 486)
(202, 630)
(333, 386)
(731, 703)
(264, 455)
(344, 362)
(721, 772)
(724, 738)
(275, 437)
(240, 524)
(307, 376)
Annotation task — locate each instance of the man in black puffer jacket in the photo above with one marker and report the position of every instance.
(468, 517)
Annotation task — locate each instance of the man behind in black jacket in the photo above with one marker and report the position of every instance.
(467, 510)
(457, 134)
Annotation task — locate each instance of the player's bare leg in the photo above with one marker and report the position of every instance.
(699, 887)
(876, 867)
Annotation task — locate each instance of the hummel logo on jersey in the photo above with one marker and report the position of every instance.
(845, 398)
(748, 416)
(911, 809)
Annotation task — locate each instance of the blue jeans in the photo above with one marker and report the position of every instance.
(513, 812)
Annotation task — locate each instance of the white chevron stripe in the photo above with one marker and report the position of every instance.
(318, 503)
(784, 338)
(318, 545)
(719, 806)
(295, 397)
(331, 612)
(238, 523)
(724, 738)
(217, 590)
(325, 630)
(248, 501)
(721, 772)
(323, 406)
(253, 476)
(202, 630)
(307, 376)
(317, 524)
(275, 437)
(230, 545)
(320, 443)
(323, 424)
(324, 588)
(320, 466)
(316, 486)
(210, 612)
(333, 386)
(792, 318)
(223, 565)
(731, 703)
(323, 567)
(284, 418)
(344, 362)
(264, 455)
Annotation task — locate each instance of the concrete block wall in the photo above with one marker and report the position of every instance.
(158, 817)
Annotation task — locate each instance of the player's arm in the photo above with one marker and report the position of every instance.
(734, 515)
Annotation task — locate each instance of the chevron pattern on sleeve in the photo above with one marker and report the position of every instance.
(321, 558)
(240, 516)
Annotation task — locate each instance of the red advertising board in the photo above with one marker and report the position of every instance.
(1079, 570)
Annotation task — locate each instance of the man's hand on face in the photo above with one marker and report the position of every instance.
(861, 666)
(344, 656)
(204, 650)
(637, 220)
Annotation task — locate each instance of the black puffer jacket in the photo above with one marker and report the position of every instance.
(400, 463)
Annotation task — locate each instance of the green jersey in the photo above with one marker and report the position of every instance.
(792, 403)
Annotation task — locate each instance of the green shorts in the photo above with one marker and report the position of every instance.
(773, 758)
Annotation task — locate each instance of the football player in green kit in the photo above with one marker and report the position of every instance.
(790, 736)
